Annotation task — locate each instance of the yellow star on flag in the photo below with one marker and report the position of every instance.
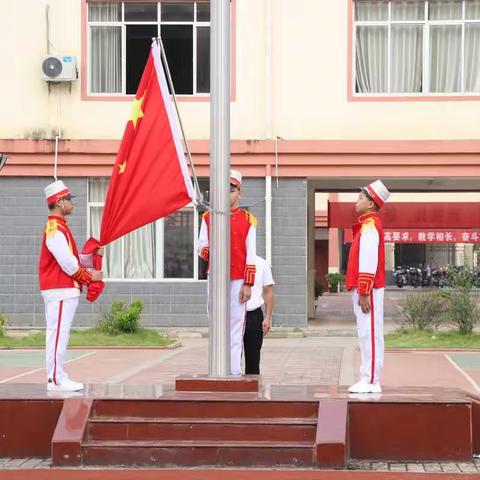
(137, 110)
(122, 167)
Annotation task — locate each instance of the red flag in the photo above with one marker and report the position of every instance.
(150, 178)
(94, 289)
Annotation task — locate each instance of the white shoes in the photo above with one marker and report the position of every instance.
(364, 387)
(66, 385)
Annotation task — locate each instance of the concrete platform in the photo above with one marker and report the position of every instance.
(281, 426)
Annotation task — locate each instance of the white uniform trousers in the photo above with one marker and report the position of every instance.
(59, 316)
(370, 335)
(238, 313)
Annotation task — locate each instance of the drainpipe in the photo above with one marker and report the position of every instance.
(269, 125)
(268, 214)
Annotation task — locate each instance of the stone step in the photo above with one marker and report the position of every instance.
(204, 408)
(226, 429)
(198, 453)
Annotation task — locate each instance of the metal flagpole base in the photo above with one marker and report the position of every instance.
(206, 383)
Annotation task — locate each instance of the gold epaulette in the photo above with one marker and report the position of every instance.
(51, 228)
(368, 225)
(251, 218)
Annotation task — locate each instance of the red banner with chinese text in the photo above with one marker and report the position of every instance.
(425, 236)
(434, 216)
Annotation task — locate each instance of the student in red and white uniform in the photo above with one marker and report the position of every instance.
(243, 253)
(366, 280)
(62, 273)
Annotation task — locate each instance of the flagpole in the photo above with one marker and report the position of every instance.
(172, 90)
(219, 278)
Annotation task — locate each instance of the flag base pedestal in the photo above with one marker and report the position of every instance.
(204, 383)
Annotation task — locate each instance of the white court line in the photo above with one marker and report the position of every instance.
(465, 374)
(43, 368)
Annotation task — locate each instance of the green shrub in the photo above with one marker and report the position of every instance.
(108, 324)
(121, 318)
(423, 310)
(460, 277)
(3, 325)
(318, 289)
(334, 279)
(462, 309)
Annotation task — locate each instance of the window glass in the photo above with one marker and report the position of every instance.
(203, 59)
(177, 12)
(105, 12)
(408, 10)
(137, 12)
(371, 59)
(203, 12)
(371, 10)
(445, 58)
(106, 59)
(138, 42)
(178, 251)
(178, 44)
(444, 10)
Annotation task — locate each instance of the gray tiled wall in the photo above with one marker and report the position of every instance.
(289, 251)
(22, 217)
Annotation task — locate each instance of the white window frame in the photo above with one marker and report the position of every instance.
(159, 247)
(123, 24)
(426, 52)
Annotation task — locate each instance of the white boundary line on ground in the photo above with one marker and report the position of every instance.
(43, 368)
(465, 374)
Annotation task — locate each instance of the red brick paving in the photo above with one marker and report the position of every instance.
(159, 474)
(284, 361)
(304, 365)
(95, 368)
(421, 369)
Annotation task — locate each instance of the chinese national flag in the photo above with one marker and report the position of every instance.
(150, 178)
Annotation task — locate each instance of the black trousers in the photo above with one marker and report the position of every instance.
(252, 341)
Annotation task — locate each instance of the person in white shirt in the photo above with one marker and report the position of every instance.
(258, 324)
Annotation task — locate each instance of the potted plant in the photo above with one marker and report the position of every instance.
(318, 289)
(334, 280)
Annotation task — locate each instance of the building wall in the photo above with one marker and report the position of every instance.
(22, 216)
(289, 251)
(291, 62)
(81, 119)
(310, 85)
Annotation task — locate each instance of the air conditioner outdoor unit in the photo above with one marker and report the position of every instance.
(59, 68)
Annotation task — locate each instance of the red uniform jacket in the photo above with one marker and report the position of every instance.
(366, 261)
(63, 269)
(242, 244)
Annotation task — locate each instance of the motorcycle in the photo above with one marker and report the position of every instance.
(476, 278)
(426, 275)
(415, 276)
(439, 276)
(401, 276)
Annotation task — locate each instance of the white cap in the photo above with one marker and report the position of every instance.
(378, 192)
(56, 191)
(236, 178)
